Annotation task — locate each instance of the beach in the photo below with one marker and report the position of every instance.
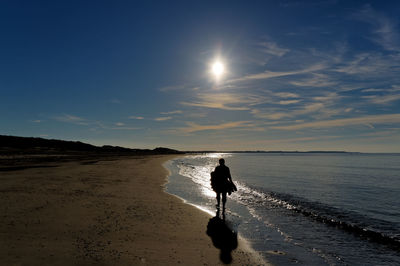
(102, 212)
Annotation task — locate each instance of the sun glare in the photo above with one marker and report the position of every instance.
(217, 69)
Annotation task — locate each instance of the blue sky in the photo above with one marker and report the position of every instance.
(299, 75)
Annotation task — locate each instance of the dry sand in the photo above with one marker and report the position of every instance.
(111, 212)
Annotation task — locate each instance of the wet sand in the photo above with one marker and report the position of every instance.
(107, 212)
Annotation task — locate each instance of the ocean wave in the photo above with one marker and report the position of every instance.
(375, 230)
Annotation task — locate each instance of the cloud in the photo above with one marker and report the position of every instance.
(177, 88)
(94, 125)
(163, 118)
(313, 109)
(383, 99)
(371, 64)
(136, 117)
(270, 74)
(116, 126)
(328, 97)
(171, 112)
(287, 102)
(196, 114)
(317, 80)
(193, 127)
(335, 56)
(381, 133)
(288, 140)
(384, 29)
(387, 95)
(270, 115)
(71, 119)
(373, 90)
(272, 48)
(286, 95)
(309, 108)
(370, 119)
(226, 101)
(124, 128)
(36, 121)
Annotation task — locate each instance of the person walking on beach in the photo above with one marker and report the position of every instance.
(221, 182)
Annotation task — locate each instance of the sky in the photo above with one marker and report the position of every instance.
(298, 75)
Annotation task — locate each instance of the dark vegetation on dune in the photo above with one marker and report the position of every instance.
(26, 152)
(24, 145)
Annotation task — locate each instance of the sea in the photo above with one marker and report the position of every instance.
(303, 208)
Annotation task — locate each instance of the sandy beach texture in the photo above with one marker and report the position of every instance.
(109, 212)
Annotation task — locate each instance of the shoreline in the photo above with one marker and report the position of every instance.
(102, 212)
(244, 244)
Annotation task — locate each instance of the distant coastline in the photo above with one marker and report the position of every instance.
(14, 145)
(293, 152)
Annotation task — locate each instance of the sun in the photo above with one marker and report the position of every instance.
(217, 69)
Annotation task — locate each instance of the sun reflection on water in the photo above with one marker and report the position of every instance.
(200, 174)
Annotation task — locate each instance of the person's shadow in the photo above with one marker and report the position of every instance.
(223, 237)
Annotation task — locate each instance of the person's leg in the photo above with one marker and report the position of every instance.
(218, 199)
(223, 200)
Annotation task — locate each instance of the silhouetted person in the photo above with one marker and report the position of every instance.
(223, 238)
(221, 182)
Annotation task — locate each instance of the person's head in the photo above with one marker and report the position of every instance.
(221, 161)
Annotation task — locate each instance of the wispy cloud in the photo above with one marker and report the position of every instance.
(371, 119)
(317, 80)
(94, 125)
(172, 112)
(124, 128)
(287, 102)
(193, 127)
(323, 107)
(71, 119)
(328, 97)
(36, 121)
(381, 133)
(272, 48)
(384, 29)
(385, 96)
(97, 125)
(373, 90)
(226, 101)
(270, 74)
(136, 117)
(383, 99)
(178, 88)
(276, 114)
(369, 63)
(287, 95)
(270, 115)
(288, 140)
(164, 118)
